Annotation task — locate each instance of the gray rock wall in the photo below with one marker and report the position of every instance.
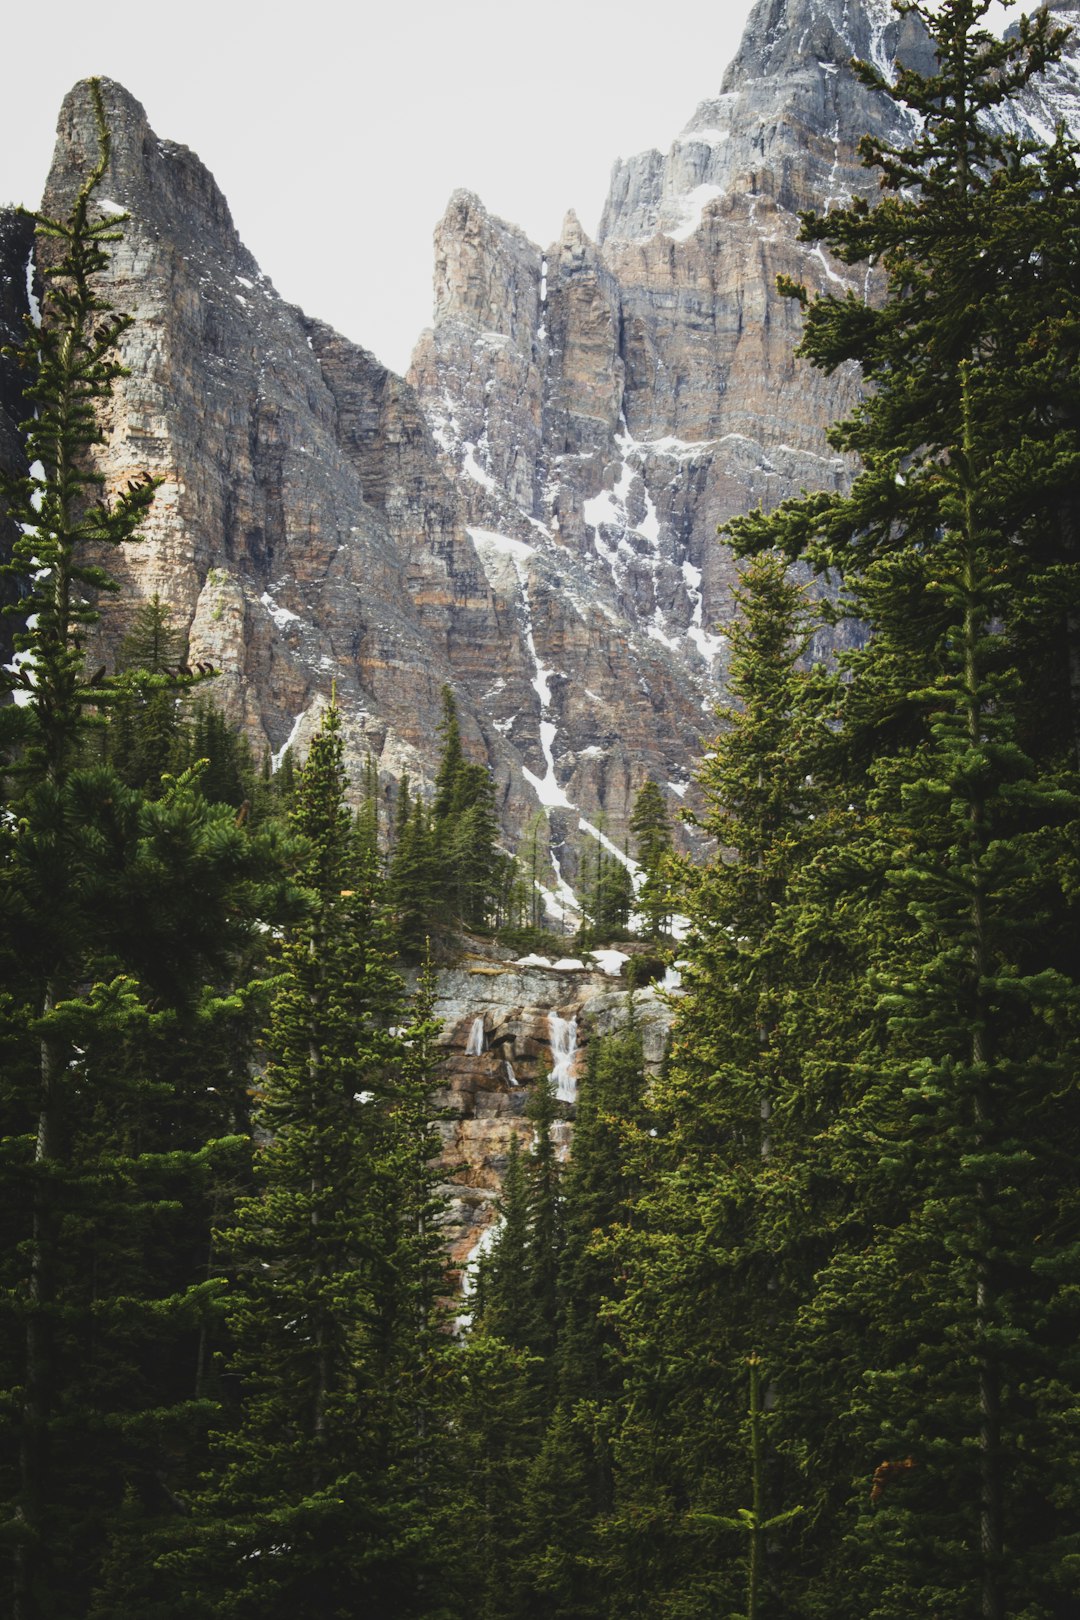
(483, 1093)
(531, 515)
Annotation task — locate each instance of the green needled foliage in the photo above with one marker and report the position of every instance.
(541, 1332)
(751, 1521)
(651, 830)
(518, 1299)
(129, 928)
(730, 1218)
(572, 1485)
(445, 869)
(608, 893)
(940, 1308)
(317, 1504)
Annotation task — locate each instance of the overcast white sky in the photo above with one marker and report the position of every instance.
(338, 131)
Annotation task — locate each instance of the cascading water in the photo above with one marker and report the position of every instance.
(476, 1039)
(510, 1075)
(563, 1033)
(483, 1246)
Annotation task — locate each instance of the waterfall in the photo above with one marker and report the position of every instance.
(476, 1039)
(672, 979)
(563, 1032)
(483, 1246)
(510, 1075)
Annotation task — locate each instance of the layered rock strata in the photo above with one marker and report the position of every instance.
(504, 1024)
(530, 516)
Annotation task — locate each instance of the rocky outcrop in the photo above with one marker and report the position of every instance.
(311, 528)
(263, 535)
(784, 126)
(649, 376)
(504, 1025)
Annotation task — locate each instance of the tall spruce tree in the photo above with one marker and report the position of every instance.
(471, 870)
(608, 896)
(728, 1224)
(125, 923)
(651, 831)
(317, 1504)
(414, 878)
(571, 1483)
(957, 545)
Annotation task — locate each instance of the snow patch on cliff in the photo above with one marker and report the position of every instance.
(281, 616)
(692, 208)
(495, 551)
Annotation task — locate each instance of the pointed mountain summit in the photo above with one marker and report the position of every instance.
(530, 516)
(785, 122)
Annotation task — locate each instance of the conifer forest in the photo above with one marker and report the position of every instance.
(794, 1332)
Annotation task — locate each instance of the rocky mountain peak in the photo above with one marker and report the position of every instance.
(784, 126)
(787, 37)
(530, 516)
(487, 272)
(166, 185)
(573, 235)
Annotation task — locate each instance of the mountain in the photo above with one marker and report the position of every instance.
(530, 515)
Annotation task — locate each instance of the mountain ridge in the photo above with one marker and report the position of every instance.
(529, 514)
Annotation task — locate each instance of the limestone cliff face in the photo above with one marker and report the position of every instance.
(606, 404)
(310, 526)
(609, 403)
(279, 448)
(784, 125)
(530, 516)
(505, 1023)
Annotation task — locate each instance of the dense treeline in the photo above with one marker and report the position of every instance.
(794, 1331)
(851, 1199)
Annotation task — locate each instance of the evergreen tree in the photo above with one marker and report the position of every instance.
(503, 1296)
(367, 816)
(142, 742)
(474, 869)
(600, 1186)
(317, 1505)
(958, 552)
(445, 867)
(651, 831)
(545, 1225)
(448, 796)
(729, 1223)
(571, 1482)
(125, 926)
(608, 897)
(499, 1430)
(414, 882)
(514, 1333)
(153, 643)
(228, 774)
(518, 1287)
(532, 857)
